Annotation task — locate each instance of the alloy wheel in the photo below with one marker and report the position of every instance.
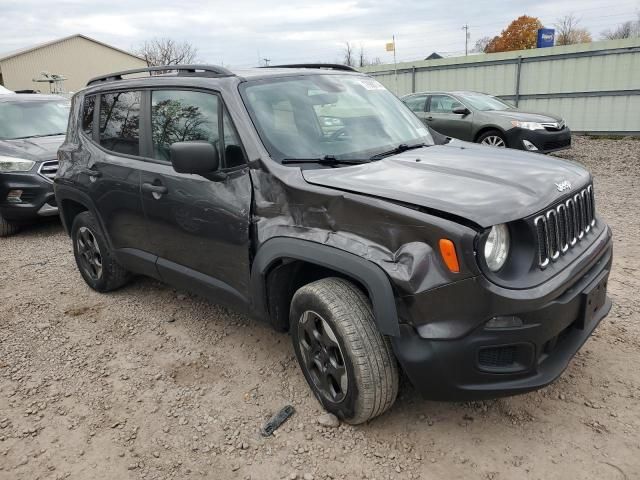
(322, 356)
(89, 253)
(494, 141)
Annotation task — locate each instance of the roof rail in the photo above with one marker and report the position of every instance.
(326, 66)
(183, 71)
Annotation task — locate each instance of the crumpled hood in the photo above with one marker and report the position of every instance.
(482, 184)
(37, 148)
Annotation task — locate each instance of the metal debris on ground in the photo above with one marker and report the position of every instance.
(278, 419)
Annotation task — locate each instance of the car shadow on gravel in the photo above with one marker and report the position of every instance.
(43, 227)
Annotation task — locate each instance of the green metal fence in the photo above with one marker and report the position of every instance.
(594, 86)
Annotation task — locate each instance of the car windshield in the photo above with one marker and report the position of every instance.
(330, 115)
(33, 118)
(483, 102)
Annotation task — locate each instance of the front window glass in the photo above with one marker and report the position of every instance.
(233, 151)
(187, 116)
(33, 118)
(344, 116)
(182, 116)
(481, 101)
(120, 122)
(416, 103)
(443, 104)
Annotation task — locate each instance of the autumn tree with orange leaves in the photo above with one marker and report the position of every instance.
(521, 34)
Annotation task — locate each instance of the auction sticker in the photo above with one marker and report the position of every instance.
(370, 84)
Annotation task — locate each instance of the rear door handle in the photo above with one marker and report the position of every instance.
(158, 189)
(429, 119)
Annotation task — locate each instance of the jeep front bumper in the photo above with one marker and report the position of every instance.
(550, 326)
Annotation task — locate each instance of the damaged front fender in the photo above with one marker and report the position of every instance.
(387, 247)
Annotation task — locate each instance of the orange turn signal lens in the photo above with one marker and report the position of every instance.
(448, 252)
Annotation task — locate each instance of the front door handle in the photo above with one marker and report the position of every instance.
(429, 119)
(91, 172)
(156, 190)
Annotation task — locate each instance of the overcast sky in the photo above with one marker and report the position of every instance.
(239, 32)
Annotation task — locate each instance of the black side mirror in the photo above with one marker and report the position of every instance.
(461, 111)
(194, 157)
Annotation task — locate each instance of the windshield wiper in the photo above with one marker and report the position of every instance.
(403, 147)
(326, 160)
(39, 136)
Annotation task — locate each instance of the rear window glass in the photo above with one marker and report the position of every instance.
(87, 114)
(120, 122)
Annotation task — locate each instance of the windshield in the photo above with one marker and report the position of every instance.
(483, 102)
(33, 118)
(341, 116)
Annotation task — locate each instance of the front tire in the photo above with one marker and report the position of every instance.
(95, 261)
(348, 364)
(493, 138)
(7, 228)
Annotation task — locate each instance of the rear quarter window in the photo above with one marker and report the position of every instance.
(88, 108)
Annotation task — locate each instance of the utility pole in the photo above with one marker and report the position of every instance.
(466, 39)
(395, 63)
(266, 61)
(391, 47)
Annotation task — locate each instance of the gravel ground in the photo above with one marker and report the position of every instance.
(151, 383)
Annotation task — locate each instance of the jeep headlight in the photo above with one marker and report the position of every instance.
(496, 247)
(528, 125)
(13, 164)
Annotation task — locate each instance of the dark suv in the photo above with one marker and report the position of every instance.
(32, 129)
(312, 198)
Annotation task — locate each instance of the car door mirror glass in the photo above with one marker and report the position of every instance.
(194, 157)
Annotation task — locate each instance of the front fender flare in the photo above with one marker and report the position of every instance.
(370, 275)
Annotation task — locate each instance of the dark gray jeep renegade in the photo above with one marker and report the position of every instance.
(314, 199)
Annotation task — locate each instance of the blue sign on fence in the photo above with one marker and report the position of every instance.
(546, 37)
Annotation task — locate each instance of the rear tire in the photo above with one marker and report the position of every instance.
(7, 228)
(493, 138)
(95, 261)
(348, 364)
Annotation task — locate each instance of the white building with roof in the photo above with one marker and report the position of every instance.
(77, 58)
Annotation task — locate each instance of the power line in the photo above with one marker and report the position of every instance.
(413, 47)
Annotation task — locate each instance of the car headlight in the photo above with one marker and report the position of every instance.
(496, 247)
(13, 164)
(527, 125)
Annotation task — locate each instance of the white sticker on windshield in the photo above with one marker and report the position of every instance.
(370, 84)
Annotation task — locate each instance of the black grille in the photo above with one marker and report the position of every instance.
(556, 144)
(497, 357)
(561, 227)
(49, 169)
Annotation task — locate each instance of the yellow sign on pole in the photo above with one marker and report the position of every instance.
(391, 47)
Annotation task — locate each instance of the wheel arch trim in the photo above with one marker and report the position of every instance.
(371, 276)
(65, 193)
(487, 128)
